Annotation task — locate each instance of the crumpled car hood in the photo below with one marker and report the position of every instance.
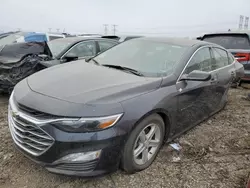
(81, 82)
(13, 53)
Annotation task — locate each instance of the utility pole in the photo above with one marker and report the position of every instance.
(105, 29)
(246, 22)
(58, 30)
(50, 29)
(114, 30)
(241, 21)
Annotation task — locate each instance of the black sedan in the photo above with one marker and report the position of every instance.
(88, 119)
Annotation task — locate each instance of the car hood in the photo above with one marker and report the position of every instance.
(14, 53)
(81, 82)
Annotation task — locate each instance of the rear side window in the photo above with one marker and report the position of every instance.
(234, 41)
(220, 58)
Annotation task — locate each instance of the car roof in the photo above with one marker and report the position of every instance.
(174, 41)
(78, 39)
(247, 32)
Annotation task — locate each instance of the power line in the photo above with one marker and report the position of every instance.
(184, 26)
(246, 22)
(114, 29)
(105, 28)
(174, 32)
(241, 21)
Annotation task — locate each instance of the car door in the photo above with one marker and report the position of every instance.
(196, 98)
(104, 45)
(82, 50)
(224, 66)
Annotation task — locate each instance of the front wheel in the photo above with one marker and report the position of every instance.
(143, 144)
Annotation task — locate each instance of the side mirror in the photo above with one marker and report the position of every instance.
(69, 57)
(196, 75)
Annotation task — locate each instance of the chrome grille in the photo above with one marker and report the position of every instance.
(25, 133)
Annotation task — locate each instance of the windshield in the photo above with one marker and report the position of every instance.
(12, 38)
(57, 46)
(237, 41)
(153, 59)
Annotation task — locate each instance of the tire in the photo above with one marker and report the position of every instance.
(128, 162)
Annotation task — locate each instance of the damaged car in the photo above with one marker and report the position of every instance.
(117, 109)
(20, 60)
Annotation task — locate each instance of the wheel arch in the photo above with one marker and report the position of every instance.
(164, 114)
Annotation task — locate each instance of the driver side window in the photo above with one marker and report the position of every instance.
(83, 49)
(200, 61)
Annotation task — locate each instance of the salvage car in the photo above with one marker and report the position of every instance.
(236, 42)
(20, 60)
(116, 110)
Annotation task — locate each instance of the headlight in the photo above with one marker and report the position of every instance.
(87, 124)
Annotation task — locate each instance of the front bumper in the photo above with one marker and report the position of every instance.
(69, 143)
(49, 146)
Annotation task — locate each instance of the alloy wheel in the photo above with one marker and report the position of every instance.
(146, 144)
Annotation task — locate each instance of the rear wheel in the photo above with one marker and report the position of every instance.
(143, 144)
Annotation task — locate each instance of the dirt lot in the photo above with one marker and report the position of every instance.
(214, 154)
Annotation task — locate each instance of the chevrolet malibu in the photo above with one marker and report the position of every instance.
(117, 109)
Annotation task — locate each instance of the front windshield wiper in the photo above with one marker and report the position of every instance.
(91, 58)
(133, 71)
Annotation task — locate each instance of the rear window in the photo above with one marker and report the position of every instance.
(229, 41)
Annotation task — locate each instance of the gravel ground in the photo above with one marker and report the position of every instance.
(214, 154)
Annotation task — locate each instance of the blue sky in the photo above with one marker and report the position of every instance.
(147, 17)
